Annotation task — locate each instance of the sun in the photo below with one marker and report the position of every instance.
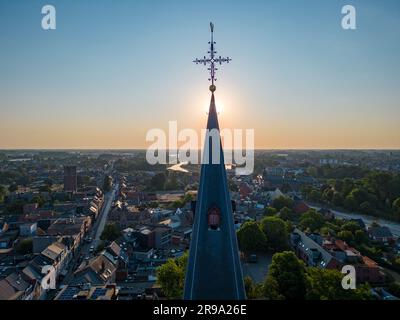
(219, 104)
(220, 107)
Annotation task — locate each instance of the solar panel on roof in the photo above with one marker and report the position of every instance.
(98, 292)
(69, 293)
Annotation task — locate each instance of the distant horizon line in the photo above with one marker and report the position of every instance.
(144, 149)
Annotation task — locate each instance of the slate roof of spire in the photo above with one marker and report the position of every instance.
(214, 270)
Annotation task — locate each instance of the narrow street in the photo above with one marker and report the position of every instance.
(102, 219)
(94, 233)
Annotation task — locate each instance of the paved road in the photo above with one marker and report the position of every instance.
(257, 271)
(95, 233)
(393, 226)
(108, 199)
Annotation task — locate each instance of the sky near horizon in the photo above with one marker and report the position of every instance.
(112, 70)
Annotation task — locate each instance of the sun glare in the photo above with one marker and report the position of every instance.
(220, 107)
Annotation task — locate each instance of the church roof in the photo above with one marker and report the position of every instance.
(214, 270)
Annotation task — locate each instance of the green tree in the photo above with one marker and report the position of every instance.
(107, 184)
(158, 181)
(350, 202)
(325, 231)
(188, 198)
(286, 277)
(171, 277)
(360, 195)
(337, 199)
(375, 224)
(271, 289)
(111, 232)
(360, 237)
(176, 204)
(153, 204)
(314, 195)
(346, 236)
(3, 193)
(233, 187)
(182, 202)
(45, 188)
(282, 202)
(25, 246)
(380, 183)
(250, 237)
(311, 220)
(325, 284)
(347, 186)
(366, 207)
(12, 188)
(327, 195)
(312, 171)
(396, 207)
(338, 185)
(394, 289)
(253, 290)
(248, 285)
(101, 246)
(286, 214)
(270, 211)
(396, 262)
(276, 233)
(172, 182)
(351, 226)
(39, 200)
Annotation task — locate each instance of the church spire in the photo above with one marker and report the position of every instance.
(212, 122)
(214, 270)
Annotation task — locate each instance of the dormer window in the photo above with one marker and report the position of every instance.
(214, 218)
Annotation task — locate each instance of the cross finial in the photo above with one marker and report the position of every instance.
(212, 60)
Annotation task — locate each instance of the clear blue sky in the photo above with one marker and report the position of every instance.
(114, 69)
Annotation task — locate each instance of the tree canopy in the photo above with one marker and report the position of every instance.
(107, 183)
(111, 232)
(311, 220)
(286, 278)
(270, 211)
(158, 181)
(276, 233)
(3, 193)
(171, 277)
(281, 202)
(370, 192)
(25, 246)
(325, 284)
(251, 238)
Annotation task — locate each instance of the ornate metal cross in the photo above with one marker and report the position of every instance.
(212, 60)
